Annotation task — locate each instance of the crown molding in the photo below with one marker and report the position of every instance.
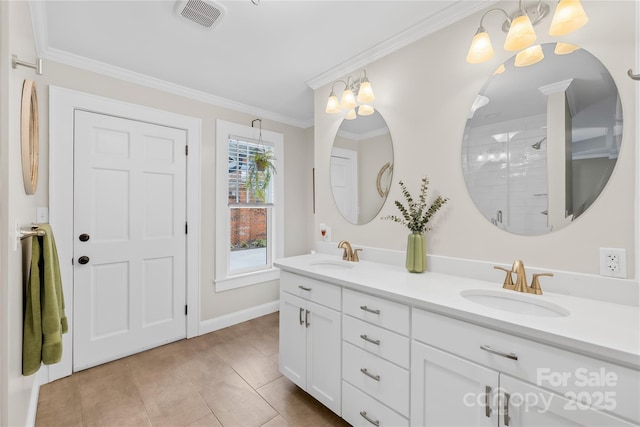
(363, 136)
(165, 86)
(456, 11)
(56, 55)
(39, 24)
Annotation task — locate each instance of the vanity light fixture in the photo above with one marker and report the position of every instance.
(569, 16)
(349, 101)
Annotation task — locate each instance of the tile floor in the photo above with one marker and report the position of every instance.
(225, 378)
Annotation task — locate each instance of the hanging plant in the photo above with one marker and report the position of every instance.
(261, 170)
(261, 167)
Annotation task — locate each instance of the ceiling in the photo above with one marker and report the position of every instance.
(263, 59)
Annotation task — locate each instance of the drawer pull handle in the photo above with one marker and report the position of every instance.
(300, 316)
(366, 417)
(304, 288)
(306, 319)
(370, 310)
(499, 353)
(369, 374)
(372, 341)
(507, 396)
(487, 407)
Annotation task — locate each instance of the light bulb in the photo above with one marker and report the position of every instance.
(521, 34)
(365, 110)
(348, 100)
(565, 48)
(365, 93)
(568, 17)
(480, 49)
(333, 106)
(529, 56)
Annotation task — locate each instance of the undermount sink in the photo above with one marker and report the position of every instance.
(514, 302)
(331, 264)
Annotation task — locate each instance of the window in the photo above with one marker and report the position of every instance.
(249, 232)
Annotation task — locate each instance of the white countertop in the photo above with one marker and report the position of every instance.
(599, 329)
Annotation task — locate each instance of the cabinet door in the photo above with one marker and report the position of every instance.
(323, 356)
(293, 339)
(523, 405)
(449, 391)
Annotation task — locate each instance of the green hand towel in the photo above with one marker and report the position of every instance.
(32, 329)
(45, 321)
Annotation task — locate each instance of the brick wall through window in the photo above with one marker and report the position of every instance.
(248, 228)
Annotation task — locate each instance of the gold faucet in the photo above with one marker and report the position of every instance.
(521, 279)
(349, 254)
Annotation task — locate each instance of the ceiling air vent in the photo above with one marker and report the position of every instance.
(206, 13)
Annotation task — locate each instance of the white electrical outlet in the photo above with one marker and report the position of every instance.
(613, 262)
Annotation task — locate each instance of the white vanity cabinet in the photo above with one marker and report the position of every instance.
(375, 361)
(310, 337)
(464, 374)
(382, 347)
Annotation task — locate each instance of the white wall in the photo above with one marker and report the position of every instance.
(17, 38)
(424, 92)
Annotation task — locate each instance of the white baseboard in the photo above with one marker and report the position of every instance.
(231, 319)
(42, 377)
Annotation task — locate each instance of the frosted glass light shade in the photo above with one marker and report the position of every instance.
(365, 110)
(529, 56)
(480, 49)
(365, 93)
(521, 34)
(333, 106)
(351, 114)
(569, 16)
(565, 48)
(499, 70)
(348, 100)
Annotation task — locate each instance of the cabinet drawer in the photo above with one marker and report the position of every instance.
(360, 410)
(388, 314)
(310, 289)
(376, 340)
(375, 376)
(574, 375)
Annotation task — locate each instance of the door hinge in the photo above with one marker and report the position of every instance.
(186, 228)
(186, 150)
(186, 309)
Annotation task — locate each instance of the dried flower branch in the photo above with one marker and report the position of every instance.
(416, 216)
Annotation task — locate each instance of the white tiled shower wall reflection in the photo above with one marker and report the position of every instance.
(507, 177)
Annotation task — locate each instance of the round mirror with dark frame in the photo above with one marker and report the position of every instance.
(541, 141)
(361, 167)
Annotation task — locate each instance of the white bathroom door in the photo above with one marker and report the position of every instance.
(344, 182)
(129, 237)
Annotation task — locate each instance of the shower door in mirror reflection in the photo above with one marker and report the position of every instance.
(541, 142)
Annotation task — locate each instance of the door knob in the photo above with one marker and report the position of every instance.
(84, 237)
(83, 259)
